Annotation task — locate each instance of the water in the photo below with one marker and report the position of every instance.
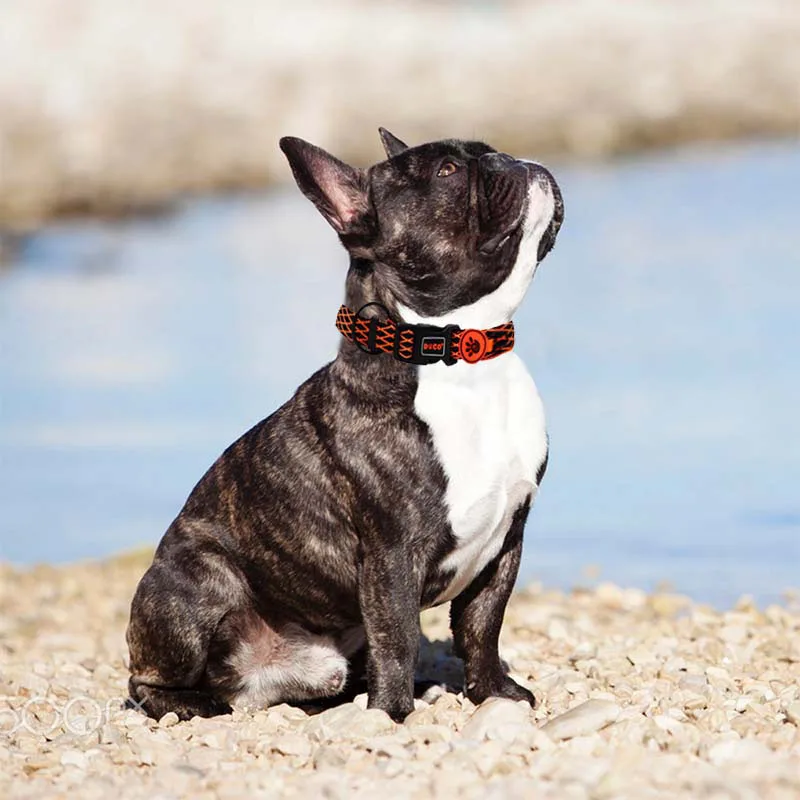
(662, 332)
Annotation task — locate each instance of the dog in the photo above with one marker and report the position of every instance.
(398, 477)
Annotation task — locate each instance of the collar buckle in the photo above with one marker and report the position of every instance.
(424, 344)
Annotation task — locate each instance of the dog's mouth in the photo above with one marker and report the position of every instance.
(548, 239)
(503, 192)
(499, 240)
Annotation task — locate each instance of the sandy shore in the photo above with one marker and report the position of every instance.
(639, 696)
(107, 105)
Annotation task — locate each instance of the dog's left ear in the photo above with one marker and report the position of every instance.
(391, 144)
(338, 190)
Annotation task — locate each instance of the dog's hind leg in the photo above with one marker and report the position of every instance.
(269, 664)
(186, 703)
(176, 610)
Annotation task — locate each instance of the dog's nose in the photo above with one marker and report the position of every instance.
(541, 175)
(497, 161)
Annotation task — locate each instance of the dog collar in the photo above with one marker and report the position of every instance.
(423, 344)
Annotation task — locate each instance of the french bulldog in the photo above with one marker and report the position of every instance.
(398, 477)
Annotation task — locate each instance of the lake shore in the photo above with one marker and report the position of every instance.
(107, 107)
(638, 695)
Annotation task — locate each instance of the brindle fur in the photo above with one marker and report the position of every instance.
(329, 514)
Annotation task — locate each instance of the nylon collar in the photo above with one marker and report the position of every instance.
(423, 344)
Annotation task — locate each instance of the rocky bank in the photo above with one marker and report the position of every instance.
(640, 696)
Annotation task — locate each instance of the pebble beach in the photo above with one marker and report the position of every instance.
(639, 696)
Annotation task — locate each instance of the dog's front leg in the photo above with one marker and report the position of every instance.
(476, 616)
(389, 600)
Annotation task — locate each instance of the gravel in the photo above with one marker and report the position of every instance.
(639, 696)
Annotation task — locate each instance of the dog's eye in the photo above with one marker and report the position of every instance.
(447, 168)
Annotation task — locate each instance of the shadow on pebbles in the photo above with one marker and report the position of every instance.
(638, 696)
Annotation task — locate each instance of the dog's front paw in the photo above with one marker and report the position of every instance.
(503, 687)
(399, 713)
(397, 710)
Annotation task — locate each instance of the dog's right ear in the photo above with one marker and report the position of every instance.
(338, 190)
(391, 144)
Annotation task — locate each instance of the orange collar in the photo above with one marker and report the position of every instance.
(423, 344)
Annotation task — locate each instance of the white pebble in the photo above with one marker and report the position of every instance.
(588, 717)
(500, 719)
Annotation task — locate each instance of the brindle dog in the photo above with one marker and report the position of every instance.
(306, 552)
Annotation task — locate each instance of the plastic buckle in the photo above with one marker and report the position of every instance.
(430, 343)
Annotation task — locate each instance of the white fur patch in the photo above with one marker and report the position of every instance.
(486, 419)
(291, 665)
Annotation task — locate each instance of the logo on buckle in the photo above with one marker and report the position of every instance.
(432, 346)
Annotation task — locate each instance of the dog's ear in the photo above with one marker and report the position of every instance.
(391, 144)
(338, 190)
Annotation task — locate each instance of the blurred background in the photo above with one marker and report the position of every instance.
(152, 252)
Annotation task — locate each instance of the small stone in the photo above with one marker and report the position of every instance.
(738, 750)
(333, 721)
(583, 652)
(667, 605)
(40, 761)
(435, 693)
(639, 656)
(388, 746)
(609, 595)
(432, 733)
(168, 720)
(743, 703)
(733, 634)
(391, 767)
(34, 686)
(202, 758)
(719, 677)
(74, 758)
(693, 683)
(668, 724)
(348, 720)
(287, 712)
(123, 755)
(487, 757)
(104, 673)
(133, 719)
(557, 631)
(716, 721)
(421, 716)
(292, 744)
(374, 723)
(328, 756)
(110, 734)
(213, 740)
(793, 713)
(588, 717)
(537, 739)
(500, 719)
(634, 598)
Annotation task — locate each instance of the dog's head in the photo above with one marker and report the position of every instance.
(437, 230)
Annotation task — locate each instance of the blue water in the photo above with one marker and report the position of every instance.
(663, 332)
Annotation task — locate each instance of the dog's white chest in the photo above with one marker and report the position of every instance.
(488, 429)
